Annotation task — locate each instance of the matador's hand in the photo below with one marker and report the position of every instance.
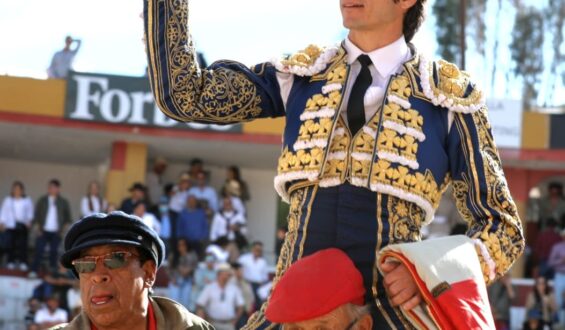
(400, 286)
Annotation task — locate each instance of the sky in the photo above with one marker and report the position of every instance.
(249, 31)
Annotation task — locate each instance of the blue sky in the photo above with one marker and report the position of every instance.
(249, 31)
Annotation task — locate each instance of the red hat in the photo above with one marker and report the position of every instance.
(314, 286)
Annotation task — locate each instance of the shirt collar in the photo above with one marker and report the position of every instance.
(386, 59)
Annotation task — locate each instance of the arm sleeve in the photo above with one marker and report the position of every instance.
(225, 92)
(29, 211)
(84, 206)
(202, 299)
(482, 195)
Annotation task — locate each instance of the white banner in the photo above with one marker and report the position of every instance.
(506, 120)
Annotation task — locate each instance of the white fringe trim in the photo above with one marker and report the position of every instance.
(331, 88)
(486, 257)
(359, 182)
(441, 99)
(322, 113)
(301, 145)
(369, 131)
(421, 202)
(398, 159)
(361, 156)
(282, 179)
(340, 155)
(318, 66)
(420, 136)
(400, 101)
(340, 131)
(330, 182)
(373, 96)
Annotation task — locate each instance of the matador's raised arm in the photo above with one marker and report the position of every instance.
(225, 92)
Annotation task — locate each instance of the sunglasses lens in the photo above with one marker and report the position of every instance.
(115, 260)
(84, 266)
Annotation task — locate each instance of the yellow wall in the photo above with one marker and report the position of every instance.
(33, 96)
(265, 126)
(535, 130)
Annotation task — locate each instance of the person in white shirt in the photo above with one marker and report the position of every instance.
(232, 224)
(16, 216)
(93, 201)
(255, 268)
(203, 192)
(62, 61)
(51, 314)
(140, 210)
(221, 302)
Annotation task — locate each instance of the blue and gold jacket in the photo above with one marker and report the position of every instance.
(431, 130)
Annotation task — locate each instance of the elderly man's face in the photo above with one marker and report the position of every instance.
(339, 318)
(114, 296)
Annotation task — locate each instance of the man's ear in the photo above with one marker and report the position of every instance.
(150, 272)
(407, 4)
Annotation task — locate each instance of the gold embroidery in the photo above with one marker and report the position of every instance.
(405, 219)
(221, 95)
(304, 58)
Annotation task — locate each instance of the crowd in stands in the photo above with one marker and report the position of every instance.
(212, 269)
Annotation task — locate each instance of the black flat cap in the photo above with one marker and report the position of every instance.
(115, 228)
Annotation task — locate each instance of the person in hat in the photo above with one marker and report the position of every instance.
(321, 291)
(155, 181)
(116, 257)
(138, 194)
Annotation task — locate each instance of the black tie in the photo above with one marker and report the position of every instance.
(356, 106)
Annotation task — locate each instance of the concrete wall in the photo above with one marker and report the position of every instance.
(35, 176)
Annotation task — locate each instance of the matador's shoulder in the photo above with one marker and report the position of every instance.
(445, 85)
(310, 61)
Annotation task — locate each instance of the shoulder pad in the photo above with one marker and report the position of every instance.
(447, 86)
(307, 62)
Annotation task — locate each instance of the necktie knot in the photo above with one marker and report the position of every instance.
(365, 60)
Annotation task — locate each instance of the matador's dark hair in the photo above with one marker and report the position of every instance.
(413, 19)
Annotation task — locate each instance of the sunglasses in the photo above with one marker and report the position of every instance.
(112, 260)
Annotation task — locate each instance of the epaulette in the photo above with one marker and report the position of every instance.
(447, 86)
(307, 62)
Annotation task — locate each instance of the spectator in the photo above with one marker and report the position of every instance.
(138, 194)
(168, 234)
(557, 262)
(221, 302)
(140, 210)
(203, 192)
(33, 305)
(154, 180)
(545, 241)
(56, 283)
(196, 166)
(181, 274)
(52, 215)
(230, 223)
(74, 302)
(255, 268)
(542, 299)
(93, 201)
(553, 205)
(16, 216)
(51, 314)
(62, 60)
(533, 321)
(246, 291)
(234, 185)
(180, 195)
(204, 275)
(281, 234)
(192, 225)
(219, 249)
(500, 294)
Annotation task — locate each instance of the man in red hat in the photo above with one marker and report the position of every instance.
(323, 290)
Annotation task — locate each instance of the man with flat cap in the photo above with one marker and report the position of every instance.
(116, 257)
(321, 291)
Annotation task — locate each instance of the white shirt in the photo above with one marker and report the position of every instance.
(217, 308)
(97, 205)
(254, 269)
(51, 222)
(16, 210)
(61, 63)
(152, 222)
(220, 225)
(43, 315)
(218, 253)
(387, 61)
(178, 201)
